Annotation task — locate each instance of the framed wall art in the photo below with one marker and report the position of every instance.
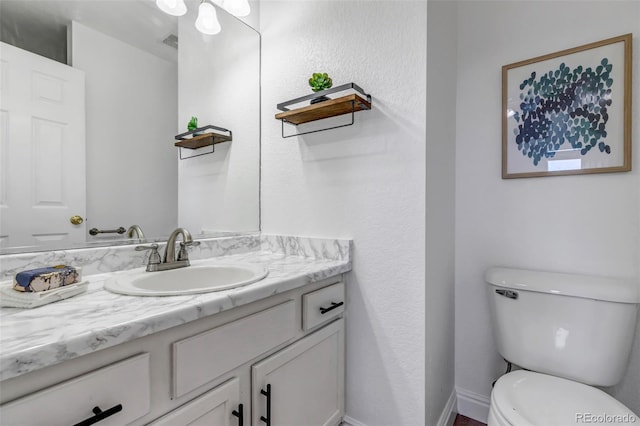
(568, 112)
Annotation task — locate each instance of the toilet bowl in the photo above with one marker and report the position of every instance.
(525, 398)
(570, 333)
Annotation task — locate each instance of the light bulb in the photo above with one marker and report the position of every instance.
(172, 7)
(237, 7)
(207, 22)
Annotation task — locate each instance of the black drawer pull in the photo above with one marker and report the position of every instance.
(239, 414)
(100, 415)
(330, 308)
(267, 393)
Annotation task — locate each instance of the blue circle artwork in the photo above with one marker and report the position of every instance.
(564, 106)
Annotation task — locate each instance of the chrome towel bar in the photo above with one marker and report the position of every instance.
(96, 231)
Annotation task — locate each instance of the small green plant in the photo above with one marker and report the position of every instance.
(193, 124)
(320, 81)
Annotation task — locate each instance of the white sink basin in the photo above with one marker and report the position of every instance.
(189, 280)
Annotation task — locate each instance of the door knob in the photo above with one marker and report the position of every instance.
(76, 220)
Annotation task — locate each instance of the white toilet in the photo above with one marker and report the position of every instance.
(568, 333)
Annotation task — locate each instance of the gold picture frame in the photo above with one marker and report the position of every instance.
(568, 112)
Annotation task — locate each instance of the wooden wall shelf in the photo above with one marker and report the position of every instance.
(346, 104)
(331, 108)
(202, 140)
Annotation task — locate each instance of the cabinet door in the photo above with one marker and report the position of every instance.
(302, 384)
(218, 407)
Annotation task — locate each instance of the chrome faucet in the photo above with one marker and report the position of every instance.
(170, 260)
(135, 229)
(170, 251)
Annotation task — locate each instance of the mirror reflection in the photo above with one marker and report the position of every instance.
(92, 94)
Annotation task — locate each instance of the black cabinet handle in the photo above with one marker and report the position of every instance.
(100, 415)
(239, 414)
(330, 308)
(267, 393)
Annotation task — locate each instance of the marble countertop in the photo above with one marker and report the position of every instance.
(31, 339)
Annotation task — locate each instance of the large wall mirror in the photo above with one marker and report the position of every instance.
(92, 93)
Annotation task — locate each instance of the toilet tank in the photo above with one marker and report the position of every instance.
(572, 326)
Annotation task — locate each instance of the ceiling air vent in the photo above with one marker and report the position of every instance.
(171, 40)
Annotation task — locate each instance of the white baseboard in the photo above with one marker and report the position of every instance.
(348, 421)
(473, 405)
(448, 416)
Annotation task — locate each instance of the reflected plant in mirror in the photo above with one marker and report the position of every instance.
(192, 124)
(93, 93)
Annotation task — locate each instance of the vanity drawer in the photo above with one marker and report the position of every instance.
(201, 358)
(322, 305)
(213, 408)
(126, 383)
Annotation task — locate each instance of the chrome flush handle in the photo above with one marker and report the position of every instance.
(507, 293)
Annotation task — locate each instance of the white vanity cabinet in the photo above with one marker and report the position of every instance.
(213, 371)
(302, 384)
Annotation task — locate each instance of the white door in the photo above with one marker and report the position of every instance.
(303, 384)
(42, 150)
(218, 407)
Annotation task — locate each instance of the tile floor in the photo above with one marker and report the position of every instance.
(466, 421)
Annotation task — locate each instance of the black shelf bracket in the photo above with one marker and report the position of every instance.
(283, 106)
(196, 155)
(353, 114)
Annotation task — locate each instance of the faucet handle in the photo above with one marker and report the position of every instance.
(154, 256)
(183, 254)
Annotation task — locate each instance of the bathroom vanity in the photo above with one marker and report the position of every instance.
(271, 352)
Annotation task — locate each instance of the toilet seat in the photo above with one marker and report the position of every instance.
(525, 398)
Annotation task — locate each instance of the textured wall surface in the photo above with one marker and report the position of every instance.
(441, 134)
(584, 224)
(365, 182)
(131, 111)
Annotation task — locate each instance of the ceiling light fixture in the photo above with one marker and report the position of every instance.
(237, 7)
(207, 21)
(172, 7)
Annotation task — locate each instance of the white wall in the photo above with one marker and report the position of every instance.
(585, 224)
(131, 112)
(365, 182)
(441, 133)
(253, 18)
(219, 83)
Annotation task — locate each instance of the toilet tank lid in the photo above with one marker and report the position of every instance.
(584, 286)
